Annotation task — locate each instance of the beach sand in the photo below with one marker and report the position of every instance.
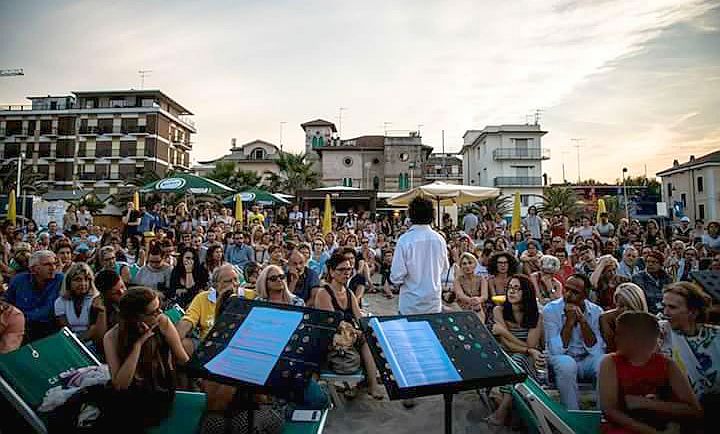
(364, 414)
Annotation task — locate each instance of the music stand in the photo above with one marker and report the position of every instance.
(302, 356)
(473, 351)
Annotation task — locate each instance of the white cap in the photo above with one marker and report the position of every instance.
(685, 219)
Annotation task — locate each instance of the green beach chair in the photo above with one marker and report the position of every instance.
(29, 372)
(546, 416)
(175, 313)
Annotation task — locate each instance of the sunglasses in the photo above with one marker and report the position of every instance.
(276, 277)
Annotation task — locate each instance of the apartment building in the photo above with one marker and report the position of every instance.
(691, 188)
(508, 157)
(98, 140)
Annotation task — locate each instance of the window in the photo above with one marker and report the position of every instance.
(126, 171)
(525, 200)
(66, 126)
(403, 181)
(103, 149)
(12, 150)
(700, 186)
(257, 154)
(46, 127)
(129, 125)
(347, 161)
(44, 170)
(376, 183)
(150, 147)
(65, 149)
(31, 128)
(701, 212)
(521, 147)
(669, 189)
(128, 149)
(105, 126)
(43, 150)
(102, 171)
(13, 128)
(347, 182)
(683, 199)
(404, 156)
(63, 171)
(317, 141)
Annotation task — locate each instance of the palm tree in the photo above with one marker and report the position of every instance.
(223, 171)
(296, 173)
(501, 205)
(561, 198)
(244, 179)
(29, 180)
(273, 182)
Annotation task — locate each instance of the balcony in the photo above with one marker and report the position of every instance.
(14, 132)
(441, 176)
(139, 129)
(87, 177)
(518, 181)
(49, 132)
(521, 154)
(88, 130)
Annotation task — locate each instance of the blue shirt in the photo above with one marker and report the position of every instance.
(310, 281)
(318, 266)
(240, 255)
(554, 319)
(37, 305)
(148, 222)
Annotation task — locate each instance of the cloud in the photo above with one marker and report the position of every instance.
(243, 67)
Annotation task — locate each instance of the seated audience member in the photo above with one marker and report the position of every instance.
(72, 308)
(142, 352)
(200, 315)
(688, 339)
(466, 286)
(107, 260)
(573, 338)
(641, 390)
(530, 258)
(604, 280)
(301, 279)
(518, 326)
(627, 267)
(628, 298)
(34, 293)
(547, 286)
(105, 309)
(272, 286)
(187, 279)
(336, 297)
(12, 327)
(155, 274)
(652, 280)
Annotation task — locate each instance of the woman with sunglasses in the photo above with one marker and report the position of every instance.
(272, 286)
(142, 350)
(336, 297)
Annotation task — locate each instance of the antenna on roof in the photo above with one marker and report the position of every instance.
(340, 110)
(537, 115)
(143, 73)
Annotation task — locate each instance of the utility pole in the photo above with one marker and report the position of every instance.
(143, 73)
(385, 127)
(444, 165)
(563, 154)
(281, 135)
(577, 145)
(627, 214)
(340, 110)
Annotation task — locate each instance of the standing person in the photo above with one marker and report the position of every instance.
(533, 223)
(131, 221)
(70, 219)
(574, 341)
(419, 264)
(604, 227)
(296, 217)
(84, 217)
(470, 222)
(34, 293)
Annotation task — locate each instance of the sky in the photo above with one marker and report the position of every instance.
(637, 81)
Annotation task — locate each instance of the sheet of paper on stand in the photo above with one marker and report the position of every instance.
(256, 346)
(415, 354)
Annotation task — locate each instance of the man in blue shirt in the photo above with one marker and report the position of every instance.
(239, 253)
(35, 292)
(301, 279)
(573, 339)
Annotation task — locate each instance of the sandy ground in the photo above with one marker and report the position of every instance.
(365, 415)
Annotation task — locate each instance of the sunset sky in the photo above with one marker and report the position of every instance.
(638, 81)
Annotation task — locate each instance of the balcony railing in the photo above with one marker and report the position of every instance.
(443, 176)
(139, 129)
(521, 154)
(518, 181)
(88, 130)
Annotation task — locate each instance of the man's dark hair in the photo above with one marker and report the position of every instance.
(421, 211)
(587, 285)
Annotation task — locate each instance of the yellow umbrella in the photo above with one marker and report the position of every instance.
(136, 200)
(12, 208)
(516, 218)
(239, 215)
(601, 209)
(327, 216)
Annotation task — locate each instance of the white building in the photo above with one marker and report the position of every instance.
(693, 187)
(508, 157)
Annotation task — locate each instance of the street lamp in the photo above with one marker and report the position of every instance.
(627, 214)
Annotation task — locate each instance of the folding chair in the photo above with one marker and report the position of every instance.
(29, 372)
(546, 416)
(175, 313)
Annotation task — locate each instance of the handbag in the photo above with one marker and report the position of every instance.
(344, 358)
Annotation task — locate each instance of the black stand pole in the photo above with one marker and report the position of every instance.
(448, 397)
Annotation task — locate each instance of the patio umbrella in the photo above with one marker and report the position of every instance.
(12, 208)
(445, 194)
(186, 183)
(239, 209)
(136, 200)
(259, 196)
(327, 216)
(600, 209)
(516, 224)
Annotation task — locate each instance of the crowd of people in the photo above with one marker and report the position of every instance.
(570, 300)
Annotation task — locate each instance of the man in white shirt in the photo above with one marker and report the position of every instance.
(84, 217)
(296, 217)
(420, 261)
(419, 264)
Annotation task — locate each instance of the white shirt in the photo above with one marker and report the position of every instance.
(554, 319)
(84, 218)
(419, 264)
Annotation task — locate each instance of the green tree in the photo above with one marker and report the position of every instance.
(297, 173)
(29, 180)
(273, 182)
(223, 172)
(562, 198)
(653, 185)
(502, 205)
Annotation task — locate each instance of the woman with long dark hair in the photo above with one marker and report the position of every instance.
(141, 351)
(518, 327)
(214, 258)
(188, 278)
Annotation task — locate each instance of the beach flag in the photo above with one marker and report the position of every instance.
(136, 200)
(600, 209)
(515, 227)
(239, 209)
(12, 208)
(327, 216)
